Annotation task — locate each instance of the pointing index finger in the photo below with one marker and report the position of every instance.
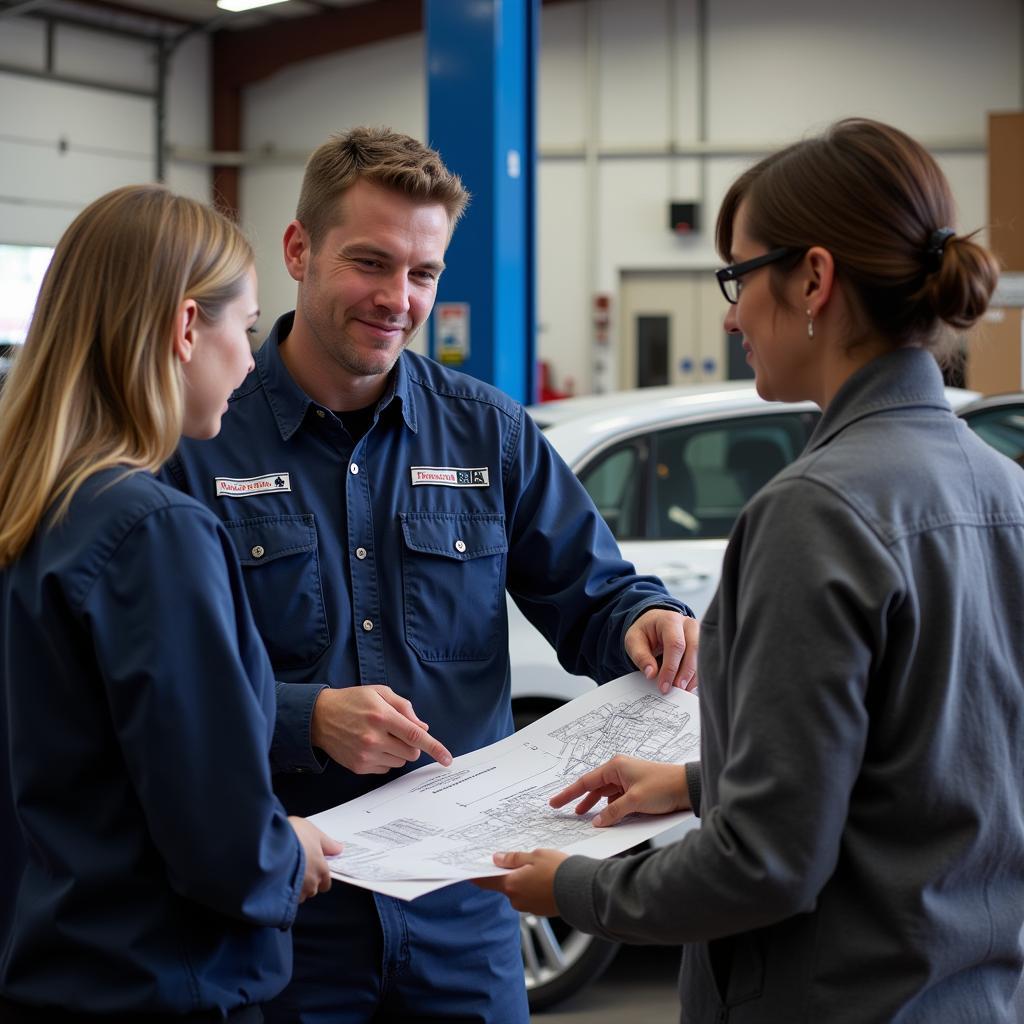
(422, 740)
(593, 779)
(578, 788)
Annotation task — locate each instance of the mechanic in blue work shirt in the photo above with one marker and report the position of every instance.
(381, 506)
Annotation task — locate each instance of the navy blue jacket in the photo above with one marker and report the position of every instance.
(149, 864)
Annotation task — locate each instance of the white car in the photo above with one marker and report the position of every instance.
(669, 469)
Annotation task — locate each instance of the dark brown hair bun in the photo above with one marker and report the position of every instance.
(960, 289)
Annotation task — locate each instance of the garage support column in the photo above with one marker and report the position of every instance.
(481, 58)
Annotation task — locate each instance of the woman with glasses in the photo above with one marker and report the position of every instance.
(149, 872)
(861, 855)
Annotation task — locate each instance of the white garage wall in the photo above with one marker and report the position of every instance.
(619, 81)
(109, 138)
(775, 72)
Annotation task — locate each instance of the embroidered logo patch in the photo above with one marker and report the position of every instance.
(242, 487)
(450, 476)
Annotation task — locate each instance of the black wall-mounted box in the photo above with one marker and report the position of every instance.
(682, 217)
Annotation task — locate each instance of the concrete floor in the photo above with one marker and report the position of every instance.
(640, 986)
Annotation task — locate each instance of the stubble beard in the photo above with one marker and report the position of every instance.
(347, 354)
(353, 358)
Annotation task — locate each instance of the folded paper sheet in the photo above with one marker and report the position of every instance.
(435, 826)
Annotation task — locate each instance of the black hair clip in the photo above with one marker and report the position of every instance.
(936, 247)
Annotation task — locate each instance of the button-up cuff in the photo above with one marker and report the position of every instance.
(292, 749)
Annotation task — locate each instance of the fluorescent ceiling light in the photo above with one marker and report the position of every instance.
(246, 5)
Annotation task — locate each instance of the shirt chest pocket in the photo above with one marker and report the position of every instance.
(282, 577)
(453, 578)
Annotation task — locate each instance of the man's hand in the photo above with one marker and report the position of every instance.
(630, 786)
(317, 846)
(672, 636)
(371, 729)
(530, 888)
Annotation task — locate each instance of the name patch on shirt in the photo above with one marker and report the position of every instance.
(242, 487)
(450, 476)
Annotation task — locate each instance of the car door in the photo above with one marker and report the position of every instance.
(671, 495)
(617, 484)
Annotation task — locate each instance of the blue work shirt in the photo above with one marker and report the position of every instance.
(154, 869)
(387, 560)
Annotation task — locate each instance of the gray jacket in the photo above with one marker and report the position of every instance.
(861, 855)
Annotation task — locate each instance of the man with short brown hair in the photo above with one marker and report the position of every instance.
(380, 157)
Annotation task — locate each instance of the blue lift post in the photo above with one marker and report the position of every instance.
(481, 93)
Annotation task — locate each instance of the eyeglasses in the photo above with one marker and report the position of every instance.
(729, 277)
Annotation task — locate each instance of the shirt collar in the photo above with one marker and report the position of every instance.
(398, 387)
(901, 378)
(290, 404)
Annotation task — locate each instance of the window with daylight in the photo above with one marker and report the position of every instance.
(21, 273)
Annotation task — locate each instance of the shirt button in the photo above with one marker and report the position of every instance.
(321, 413)
(353, 469)
(360, 553)
(258, 551)
(460, 546)
(367, 625)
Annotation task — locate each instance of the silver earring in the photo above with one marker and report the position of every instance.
(810, 324)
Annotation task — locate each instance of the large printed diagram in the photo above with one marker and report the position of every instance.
(435, 826)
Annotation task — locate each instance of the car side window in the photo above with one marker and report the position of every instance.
(1002, 427)
(615, 482)
(705, 473)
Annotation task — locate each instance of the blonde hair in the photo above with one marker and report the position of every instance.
(381, 157)
(97, 383)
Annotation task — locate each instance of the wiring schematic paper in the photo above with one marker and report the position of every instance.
(438, 825)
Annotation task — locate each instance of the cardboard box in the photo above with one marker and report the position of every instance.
(1005, 191)
(995, 352)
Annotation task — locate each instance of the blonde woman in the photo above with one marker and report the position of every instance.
(148, 870)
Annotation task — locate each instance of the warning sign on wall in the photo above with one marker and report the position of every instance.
(451, 332)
